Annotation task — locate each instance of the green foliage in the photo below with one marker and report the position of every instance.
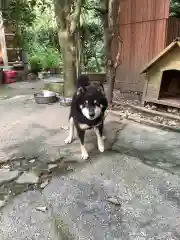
(39, 33)
(48, 56)
(175, 8)
(19, 12)
(92, 36)
(35, 65)
(93, 47)
(41, 39)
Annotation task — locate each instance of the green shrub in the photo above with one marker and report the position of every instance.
(35, 64)
(50, 59)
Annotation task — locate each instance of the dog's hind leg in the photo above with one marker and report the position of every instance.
(84, 153)
(100, 137)
(71, 131)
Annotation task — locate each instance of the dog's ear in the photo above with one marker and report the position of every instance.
(80, 91)
(101, 89)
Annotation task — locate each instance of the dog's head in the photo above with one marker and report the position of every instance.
(92, 102)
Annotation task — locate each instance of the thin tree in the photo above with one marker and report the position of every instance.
(109, 10)
(112, 38)
(68, 16)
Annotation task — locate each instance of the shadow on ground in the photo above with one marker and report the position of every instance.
(48, 145)
(152, 146)
(36, 154)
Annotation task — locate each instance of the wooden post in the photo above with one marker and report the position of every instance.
(25, 59)
(3, 41)
(144, 91)
(78, 52)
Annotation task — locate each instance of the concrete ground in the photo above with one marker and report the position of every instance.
(131, 191)
(19, 88)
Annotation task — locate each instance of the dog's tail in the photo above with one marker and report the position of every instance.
(83, 81)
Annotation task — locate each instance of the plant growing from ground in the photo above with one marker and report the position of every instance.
(35, 65)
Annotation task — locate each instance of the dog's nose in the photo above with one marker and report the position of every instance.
(91, 114)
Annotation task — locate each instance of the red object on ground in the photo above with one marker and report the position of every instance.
(10, 76)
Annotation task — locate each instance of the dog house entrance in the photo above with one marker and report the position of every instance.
(170, 87)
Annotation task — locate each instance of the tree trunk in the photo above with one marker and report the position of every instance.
(110, 23)
(68, 17)
(83, 68)
(106, 34)
(108, 53)
(78, 52)
(111, 77)
(69, 60)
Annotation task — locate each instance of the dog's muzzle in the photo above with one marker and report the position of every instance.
(91, 113)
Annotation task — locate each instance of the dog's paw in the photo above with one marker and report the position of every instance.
(84, 155)
(68, 140)
(101, 146)
(104, 137)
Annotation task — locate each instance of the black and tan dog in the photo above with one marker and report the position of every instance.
(87, 111)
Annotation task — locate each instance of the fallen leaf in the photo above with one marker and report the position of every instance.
(52, 166)
(44, 184)
(32, 160)
(42, 209)
(70, 168)
(114, 200)
(6, 166)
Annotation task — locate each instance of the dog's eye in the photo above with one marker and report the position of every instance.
(96, 103)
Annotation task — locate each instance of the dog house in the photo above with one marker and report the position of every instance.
(163, 77)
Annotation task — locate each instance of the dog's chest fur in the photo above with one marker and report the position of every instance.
(83, 126)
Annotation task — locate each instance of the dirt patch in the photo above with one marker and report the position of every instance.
(128, 105)
(133, 112)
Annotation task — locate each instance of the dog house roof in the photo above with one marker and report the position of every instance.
(175, 43)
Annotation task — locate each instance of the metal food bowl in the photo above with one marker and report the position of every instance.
(65, 101)
(42, 98)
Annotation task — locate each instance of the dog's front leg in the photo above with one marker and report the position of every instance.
(84, 154)
(100, 137)
(71, 131)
